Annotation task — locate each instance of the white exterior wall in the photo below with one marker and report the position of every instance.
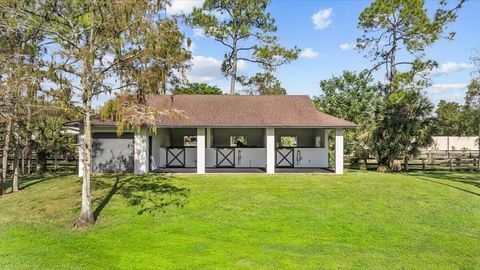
(210, 157)
(270, 133)
(310, 157)
(200, 150)
(140, 155)
(250, 157)
(339, 151)
(443, 143)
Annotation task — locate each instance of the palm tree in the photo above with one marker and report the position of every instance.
(405, 124)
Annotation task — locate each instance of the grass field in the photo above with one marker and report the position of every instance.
(355, 221)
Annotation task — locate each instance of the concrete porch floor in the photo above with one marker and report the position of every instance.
(242, 170)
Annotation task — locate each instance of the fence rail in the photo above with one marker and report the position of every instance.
(52, 164)
(454, 160)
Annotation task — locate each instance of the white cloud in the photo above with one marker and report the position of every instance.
(198, 32)
(309, 53)
(205, 69)
(440, 88)
(347, 46)
(447, 91)
(183, 6)
(322, 19)
(242, 66)
(449, 68)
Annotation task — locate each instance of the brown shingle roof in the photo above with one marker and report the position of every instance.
(241, 111)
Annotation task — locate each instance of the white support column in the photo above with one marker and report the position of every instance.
(200, 150)
(339, 151)
(270, 132)
(80, 153)
(141, 158)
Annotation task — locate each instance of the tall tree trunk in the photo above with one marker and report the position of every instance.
(393, 60)
(233, 79)
(28, 148)
(164, 80)
(29, 160)
(234, 68)
(6, 144)
(16, 157)
(405, 163)
(41, 162)
(86, 214)
(23, 155)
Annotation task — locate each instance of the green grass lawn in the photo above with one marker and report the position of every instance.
(355, 221)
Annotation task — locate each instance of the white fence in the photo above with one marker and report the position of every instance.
(444, 143)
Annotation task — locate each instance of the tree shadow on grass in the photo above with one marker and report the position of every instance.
(151, 194)
(29, 181)
(472, 179)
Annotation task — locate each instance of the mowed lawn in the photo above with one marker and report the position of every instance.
(355, 221)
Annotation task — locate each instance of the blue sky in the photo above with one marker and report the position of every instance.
(326, 41)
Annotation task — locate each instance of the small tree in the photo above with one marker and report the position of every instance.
(48, 137)
(353, 97)
(454, 119)
(197, 89)
(263, 84)
(245, 29)
(404, 125)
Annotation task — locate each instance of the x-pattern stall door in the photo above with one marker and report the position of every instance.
(176, 157)
(226, 157)
(284, 157)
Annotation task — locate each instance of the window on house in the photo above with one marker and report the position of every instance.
(238, 141)
(189, 141)
(288, 141)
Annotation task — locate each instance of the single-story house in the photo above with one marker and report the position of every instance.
(227, 133)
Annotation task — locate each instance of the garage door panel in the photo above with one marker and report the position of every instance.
(111, 153)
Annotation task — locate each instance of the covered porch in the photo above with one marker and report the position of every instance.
(237, 150)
